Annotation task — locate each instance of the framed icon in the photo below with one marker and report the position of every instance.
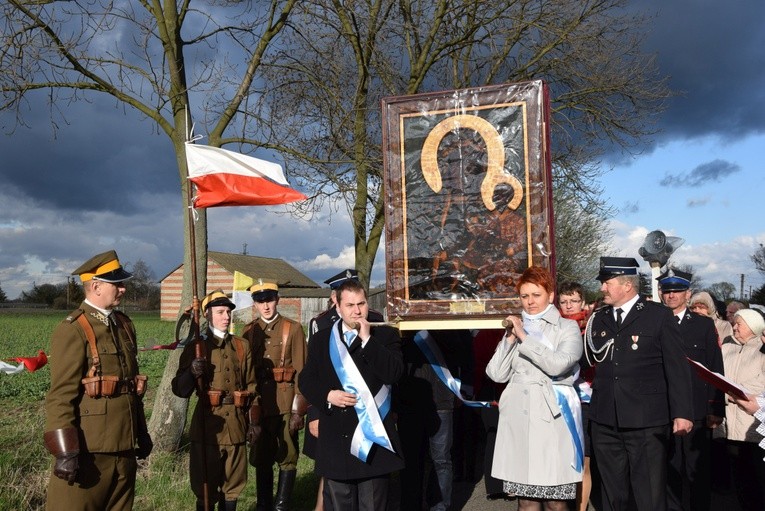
(468, 191)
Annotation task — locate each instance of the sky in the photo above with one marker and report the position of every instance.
(105, 179)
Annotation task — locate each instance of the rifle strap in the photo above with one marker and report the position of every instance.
(285, 336)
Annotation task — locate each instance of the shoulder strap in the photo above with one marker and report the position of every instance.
(239, 347)
(285, 336)
(90, 335)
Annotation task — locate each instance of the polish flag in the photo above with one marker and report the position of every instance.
(31, 364)
(226, 178)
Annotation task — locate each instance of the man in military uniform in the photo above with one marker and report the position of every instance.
(641, 391)
(279, 350)
(227, 412)
(94, 420)
(690, 463)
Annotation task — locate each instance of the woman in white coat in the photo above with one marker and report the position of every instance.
(539, 447)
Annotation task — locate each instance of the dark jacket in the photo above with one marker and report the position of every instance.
(420, 388)
(380, 363)
(700, 343)
(645, 381)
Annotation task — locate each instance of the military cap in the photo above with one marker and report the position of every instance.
(264, 291)
(611, 267)
(335, 281)
(215, 299)
(105, 267)
(674, 280)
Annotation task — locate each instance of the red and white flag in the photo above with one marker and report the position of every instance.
(226, 178)
(31, 364)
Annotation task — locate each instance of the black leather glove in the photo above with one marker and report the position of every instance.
(297, 422)
(145, 445)
(253, 433)
(66, 466)
(198, 367)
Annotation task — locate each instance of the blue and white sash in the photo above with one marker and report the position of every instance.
(370, 410)
(429, 348)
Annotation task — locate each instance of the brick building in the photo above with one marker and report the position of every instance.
(300, 297)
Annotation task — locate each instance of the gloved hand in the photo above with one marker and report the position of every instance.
(253, 433)
(145, 445)
(66, 466)
(198, 367)
(297, 422)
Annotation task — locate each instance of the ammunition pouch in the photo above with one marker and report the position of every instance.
(238, 398)
(283, 374)
(110, 386)
(100, 386)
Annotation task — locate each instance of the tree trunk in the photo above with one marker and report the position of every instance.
(168, 418)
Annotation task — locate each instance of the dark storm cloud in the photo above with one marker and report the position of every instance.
(712, 54)
(100, 161)
(709, 172)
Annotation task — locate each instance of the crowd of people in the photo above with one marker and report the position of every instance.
(576, 404)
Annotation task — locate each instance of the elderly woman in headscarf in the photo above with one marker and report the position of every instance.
(702, 303)
(745, 365)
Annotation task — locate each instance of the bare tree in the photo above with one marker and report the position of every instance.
(580, 235)
(322, 93)
(724, 291)
(149, 56)
(758, 258)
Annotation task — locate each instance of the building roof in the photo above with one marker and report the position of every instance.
(273, 269)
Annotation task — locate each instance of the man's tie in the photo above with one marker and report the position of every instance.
(678, 318)
(619, 317)
(349, 337)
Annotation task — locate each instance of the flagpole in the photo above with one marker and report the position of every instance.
(198, 345)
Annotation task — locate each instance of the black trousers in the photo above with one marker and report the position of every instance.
(748, 474)
(358, 494)
(690, 467)
(632, 459)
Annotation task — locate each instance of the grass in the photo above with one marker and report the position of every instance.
(162, 482)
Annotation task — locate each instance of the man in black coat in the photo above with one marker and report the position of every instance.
(348, 368)
(641, 390)
(319, 322)
(690, 455)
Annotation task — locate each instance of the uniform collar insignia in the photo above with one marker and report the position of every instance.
(100, 317)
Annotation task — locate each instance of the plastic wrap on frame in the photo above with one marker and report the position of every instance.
(468, 199)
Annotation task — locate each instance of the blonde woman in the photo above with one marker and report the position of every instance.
(702, 303)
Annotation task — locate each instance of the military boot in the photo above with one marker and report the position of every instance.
(264, 478)
(228, 505)
(284, 490)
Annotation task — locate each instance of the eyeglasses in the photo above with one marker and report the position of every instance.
(566, 303)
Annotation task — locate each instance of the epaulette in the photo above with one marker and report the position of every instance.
(73, 315)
